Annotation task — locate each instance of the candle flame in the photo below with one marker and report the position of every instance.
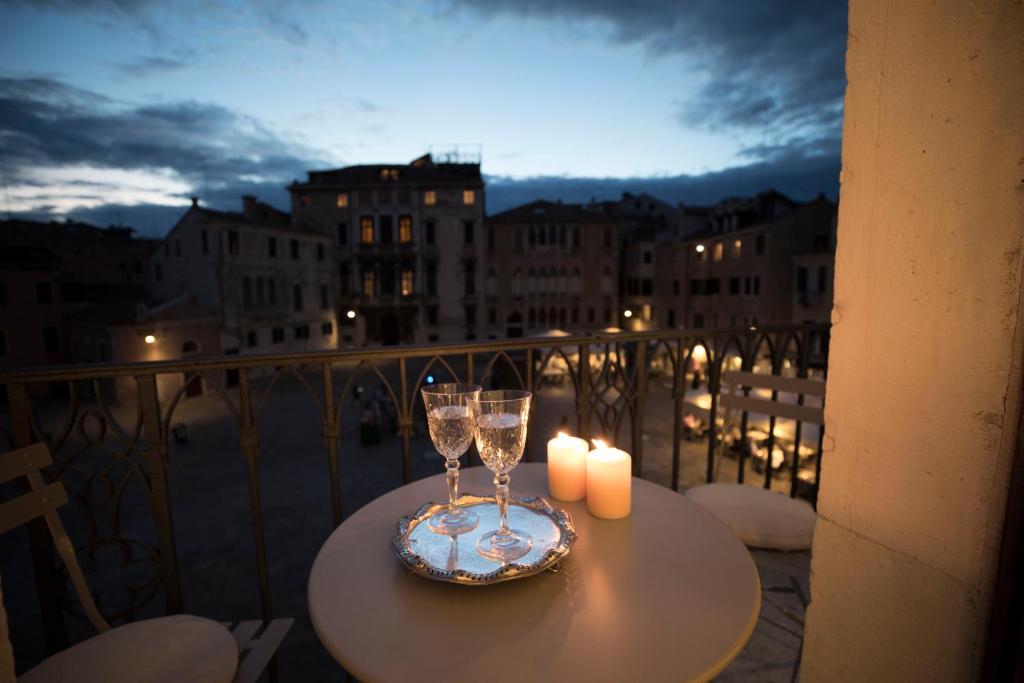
(598, 443)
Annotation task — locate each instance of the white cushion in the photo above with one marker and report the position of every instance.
(761, 518)
(176, 648)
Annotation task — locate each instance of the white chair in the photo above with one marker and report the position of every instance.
(180, 647)
(763, 518)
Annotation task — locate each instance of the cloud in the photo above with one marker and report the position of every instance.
(368, 106)
(110, 6)
(151, 66)
(800, 173)
(277, 17)
(47, 125)
(772, 66)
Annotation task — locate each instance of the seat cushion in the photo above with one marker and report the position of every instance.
(176, 648)
(761, 518)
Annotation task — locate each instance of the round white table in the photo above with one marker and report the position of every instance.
(667, 594)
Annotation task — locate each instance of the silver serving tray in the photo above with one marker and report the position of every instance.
(454, 558)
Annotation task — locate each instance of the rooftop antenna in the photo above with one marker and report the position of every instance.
(456, 153)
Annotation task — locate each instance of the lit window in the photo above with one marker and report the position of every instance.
(430, 197)
(407, 284)
(366, 229)
(342, 200)
(719, 250)
(405, 228)
(468, 197)
(368, 283)
(737, 248)
(389, 174)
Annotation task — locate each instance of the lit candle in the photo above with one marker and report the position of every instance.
(609, 482)
(567, 467)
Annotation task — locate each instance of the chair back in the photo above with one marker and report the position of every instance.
(734, 399)
(42, 500)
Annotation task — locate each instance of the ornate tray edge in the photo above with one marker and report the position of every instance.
(509, 572)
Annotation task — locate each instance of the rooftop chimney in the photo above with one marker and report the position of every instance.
(249, 206)
(195, 201)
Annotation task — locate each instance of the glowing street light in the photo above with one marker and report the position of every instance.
(700, 248)
(350, 314)
(150, 339)
(628, 313)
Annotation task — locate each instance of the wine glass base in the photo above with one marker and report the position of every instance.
(453, 523)
(507, 548)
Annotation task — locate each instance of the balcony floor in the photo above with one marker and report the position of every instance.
(211, 515)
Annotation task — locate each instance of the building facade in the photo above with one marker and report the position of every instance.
(32, 323)
(272, 281)
(551, 266)
(759, 260)
(127, 332)
(409, 246)
(50, 270)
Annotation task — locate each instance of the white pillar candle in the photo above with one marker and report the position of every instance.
(567, 467)
(609, 482)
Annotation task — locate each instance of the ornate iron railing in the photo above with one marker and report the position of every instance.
(103, 462)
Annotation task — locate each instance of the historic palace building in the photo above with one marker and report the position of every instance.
(409, 246)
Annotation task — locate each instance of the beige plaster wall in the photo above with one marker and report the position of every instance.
(924, 368)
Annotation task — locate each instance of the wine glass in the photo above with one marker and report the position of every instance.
(451, 429)
(501, 418)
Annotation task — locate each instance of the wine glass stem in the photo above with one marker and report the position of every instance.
(501, 495)
(452, 475)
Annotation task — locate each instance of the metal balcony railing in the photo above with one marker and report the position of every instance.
(98, 458)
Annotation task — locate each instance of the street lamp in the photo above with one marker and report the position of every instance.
(700, 248)
(350, 314)
(627, 313)
(150, 339)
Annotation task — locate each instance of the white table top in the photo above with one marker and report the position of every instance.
(667, 594)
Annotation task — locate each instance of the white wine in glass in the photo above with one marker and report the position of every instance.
(501, 418)
(451, 429)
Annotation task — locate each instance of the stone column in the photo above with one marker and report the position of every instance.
(925, 363)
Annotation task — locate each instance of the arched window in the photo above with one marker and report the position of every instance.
(575, 316)
(532, 239)
(606, 280)
(543, 318)
(531, 281)
(491, 283)
(563, 280)
(532, 318)
(517, 282)
(553, 315)
(562, 318)
(577, 281)
(590, 316)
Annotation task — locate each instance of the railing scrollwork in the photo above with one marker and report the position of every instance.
(105, 462)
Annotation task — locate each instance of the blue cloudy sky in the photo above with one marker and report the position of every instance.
(118, 110)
